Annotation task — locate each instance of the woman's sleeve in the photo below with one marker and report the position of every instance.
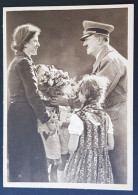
(30, 86)
(76, 125)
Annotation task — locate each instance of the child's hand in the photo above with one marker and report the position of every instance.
(52, 127)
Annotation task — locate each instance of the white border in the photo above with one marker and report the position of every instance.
(129, 185)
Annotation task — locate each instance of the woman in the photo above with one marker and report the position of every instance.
(27, 161)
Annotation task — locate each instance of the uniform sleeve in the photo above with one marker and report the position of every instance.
(76, 125)
(74, 103)
(109, 69)
(30, 86)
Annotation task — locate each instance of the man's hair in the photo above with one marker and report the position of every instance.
(104, 37)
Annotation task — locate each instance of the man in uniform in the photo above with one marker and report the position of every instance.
(109, 63)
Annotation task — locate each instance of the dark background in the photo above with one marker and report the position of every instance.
(61, 58)
(61, 32)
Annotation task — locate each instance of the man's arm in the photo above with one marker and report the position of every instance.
(63, 101)
(113, 70)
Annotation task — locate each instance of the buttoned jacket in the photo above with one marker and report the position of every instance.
(22, 83)
(114, 66)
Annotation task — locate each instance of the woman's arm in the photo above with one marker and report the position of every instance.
(31, 92)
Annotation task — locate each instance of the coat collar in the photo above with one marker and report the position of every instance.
(21, 54)
(102, 54)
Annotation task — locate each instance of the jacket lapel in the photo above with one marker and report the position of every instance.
(103, 53)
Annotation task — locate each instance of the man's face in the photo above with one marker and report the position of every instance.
(91, 44)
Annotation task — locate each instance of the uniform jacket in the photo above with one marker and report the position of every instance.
(22, 83)
(114, 66)
(111, 64)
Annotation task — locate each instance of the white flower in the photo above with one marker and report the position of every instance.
(66, 74)
(51, 82)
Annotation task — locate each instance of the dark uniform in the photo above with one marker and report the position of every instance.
(27, 162)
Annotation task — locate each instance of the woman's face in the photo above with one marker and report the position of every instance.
(32, 46)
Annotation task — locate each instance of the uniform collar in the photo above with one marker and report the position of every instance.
(98, 53)
(101, 55)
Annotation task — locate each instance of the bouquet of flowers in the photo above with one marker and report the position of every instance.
(52, 82)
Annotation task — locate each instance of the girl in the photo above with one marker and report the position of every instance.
(91, 136)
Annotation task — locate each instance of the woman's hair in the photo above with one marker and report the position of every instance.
(94, 88)
(22, 35)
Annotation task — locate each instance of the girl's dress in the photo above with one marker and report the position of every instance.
(90, 163)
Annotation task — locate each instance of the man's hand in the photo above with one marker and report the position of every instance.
(59, 100)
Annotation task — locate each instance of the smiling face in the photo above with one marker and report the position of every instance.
(30, 48)
(92, 45)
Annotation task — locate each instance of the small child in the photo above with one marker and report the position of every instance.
(91, 136)
(64, 118)
(49, 133)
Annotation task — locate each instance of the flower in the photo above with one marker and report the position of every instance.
(52, 81)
